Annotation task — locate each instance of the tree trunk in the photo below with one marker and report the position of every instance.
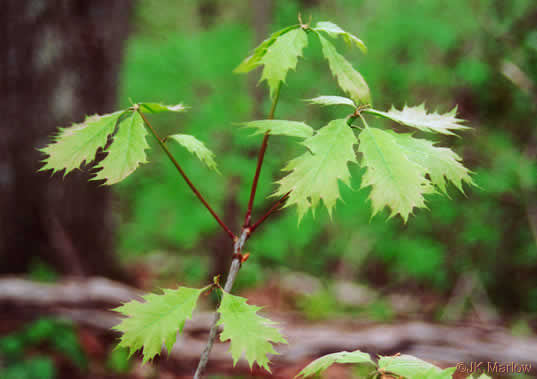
(60, 61)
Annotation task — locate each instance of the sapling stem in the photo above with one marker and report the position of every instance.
(277, 205)
(240, 241)
(260, 159)
(233, 271)
(185, 177)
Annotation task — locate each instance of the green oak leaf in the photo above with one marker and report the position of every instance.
(332, 100)
(397, 182)
(315, 174)
(158, 108)
(435, 373)
(412, 367)
(126, 152)
(156, 321)
(440, 163)
(417, 117)
(319, 365)
(281, 127)
(348, 78)
(282, 56)
(334, 31)
(195, 146)
(253, 61)
(79, 143)
(248, 332)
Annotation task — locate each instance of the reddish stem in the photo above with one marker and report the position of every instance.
(187, 180)
(260, 158)
(277, 205)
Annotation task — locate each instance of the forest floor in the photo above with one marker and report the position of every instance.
(342, 316)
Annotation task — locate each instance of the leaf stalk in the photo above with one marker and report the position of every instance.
(230, 280)
(260, 158)
(185, 177)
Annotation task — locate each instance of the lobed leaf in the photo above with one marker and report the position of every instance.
(412, 367)
(440, 163)
(348, 78)
(126, 152)
(315, 174)
(334, 31)
(158, 108)
(282, 56)
(397, 182)
(195, 146)
(79, 143)
(254, 60)
(249, 333)
(156, 321)
(332, 100)
(417, 117)
(281, 127)
(319, 365)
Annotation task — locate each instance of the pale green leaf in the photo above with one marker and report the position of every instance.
(126, 152)
(440, 163)
(79, 143)
(250, 334)
(348, 78)
(397, 182)
(334, 31)
(435, 373)
(156, 321)
(281, 127)
(417, 117)
(321, 364)
(411, 367)
(282, 56)
(332, 100)
(316, 173)
(254, 60)
(195, 146)
(158, 108)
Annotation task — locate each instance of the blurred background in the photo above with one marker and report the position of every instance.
(456, 283)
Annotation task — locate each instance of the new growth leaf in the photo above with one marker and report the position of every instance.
(79, 143)
(401, 169)
(281, 127)
(250, 334)
(282, 56)
(316, 173)
(332, 100)
(195, 146)
(417, 117)
(348, 78)
(412, 367)
(253, 61)
(334, 31)
(319, 365)
(156, 321)
(126, 152)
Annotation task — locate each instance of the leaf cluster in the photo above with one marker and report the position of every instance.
(401, 366)
(78, 144)
(157, 321)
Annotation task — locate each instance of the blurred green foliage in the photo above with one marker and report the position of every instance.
(20, 358)
(445, 53)
(118, 360)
